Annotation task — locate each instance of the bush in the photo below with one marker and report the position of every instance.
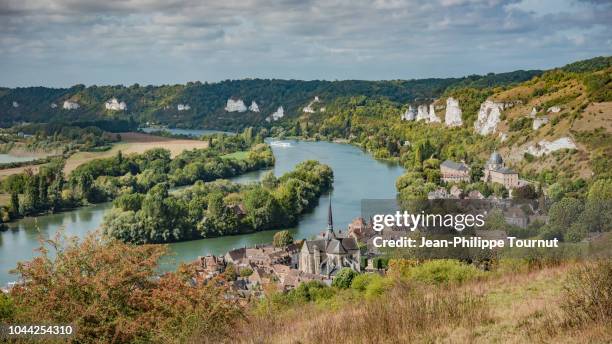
(444, 271)
(588, 294)
(344, 278)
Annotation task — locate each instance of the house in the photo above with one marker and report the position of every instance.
(330, 253)
(516, 216)
(453, 172)
(496, 172)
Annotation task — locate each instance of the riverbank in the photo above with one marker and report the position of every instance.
(357, 176)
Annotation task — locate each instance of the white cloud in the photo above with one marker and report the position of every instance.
(162, 41)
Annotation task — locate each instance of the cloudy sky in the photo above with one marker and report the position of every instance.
(65, 42)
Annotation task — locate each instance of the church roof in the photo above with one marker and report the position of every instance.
(505, 170)
(495, 158)
(455, 165)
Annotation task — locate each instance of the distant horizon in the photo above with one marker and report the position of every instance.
(294, 79)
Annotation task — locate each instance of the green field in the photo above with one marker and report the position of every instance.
(236, 155)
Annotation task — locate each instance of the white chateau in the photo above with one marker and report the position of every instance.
(330, 253)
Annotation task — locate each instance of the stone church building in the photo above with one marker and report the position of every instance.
(329, 253)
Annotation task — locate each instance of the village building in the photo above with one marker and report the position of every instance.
(453, 172)
(516, 216)
(263, 255)
(496, 172)
(330, 253)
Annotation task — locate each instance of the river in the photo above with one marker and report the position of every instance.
(356, 176)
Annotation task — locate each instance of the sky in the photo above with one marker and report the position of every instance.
(60, 43)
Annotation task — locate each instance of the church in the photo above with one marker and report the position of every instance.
(495, 171)
(329, 253)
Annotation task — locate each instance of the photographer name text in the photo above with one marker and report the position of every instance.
(463, 242)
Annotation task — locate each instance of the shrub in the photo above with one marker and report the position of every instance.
(444, 271)
(588, 294)
(344, 278)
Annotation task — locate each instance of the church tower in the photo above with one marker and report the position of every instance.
(330, 222)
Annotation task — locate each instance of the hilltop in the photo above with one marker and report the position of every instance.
(230, 104)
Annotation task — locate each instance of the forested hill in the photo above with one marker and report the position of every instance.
(197, 105)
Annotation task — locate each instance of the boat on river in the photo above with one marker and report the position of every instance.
(280, 144)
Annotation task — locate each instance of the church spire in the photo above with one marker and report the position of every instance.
(330, 220)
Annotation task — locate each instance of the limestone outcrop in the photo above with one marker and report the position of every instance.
(115, 105)
(280, 113)
(422, 113)
(309, 109)
(183, 107)
(70, 105)
(15, 104)
(235, 105)
(254, 107)
(489, 115)
(432, 115)
(452, 118)
(545, 147)
(409, 115)
(539, 122)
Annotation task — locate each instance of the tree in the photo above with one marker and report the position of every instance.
(525, 192)
(282, 238)
(344, 278)
(122, 286)
(14, 206)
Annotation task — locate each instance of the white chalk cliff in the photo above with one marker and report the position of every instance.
(554, 109)
(432, 115)
(183, 107)
(452, 118)
(15, 104)
(69, 105)
(308, 108)
(409, 115)
(280, 113)
(253, 107)
(546, 147)
(488, 117)
(53, 105)
(114, 105)
(235, 105)
(539, 122)
(533, 113)
(422, 113)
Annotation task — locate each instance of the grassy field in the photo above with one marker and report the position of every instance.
(236, 155)
(130, 143)
(512, 307)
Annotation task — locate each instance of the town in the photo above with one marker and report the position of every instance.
(286, 263)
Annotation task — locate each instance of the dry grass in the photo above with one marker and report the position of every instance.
(512, 308)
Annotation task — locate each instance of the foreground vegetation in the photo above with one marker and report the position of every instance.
(111, 293)
(122, 300)
(444, 301)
